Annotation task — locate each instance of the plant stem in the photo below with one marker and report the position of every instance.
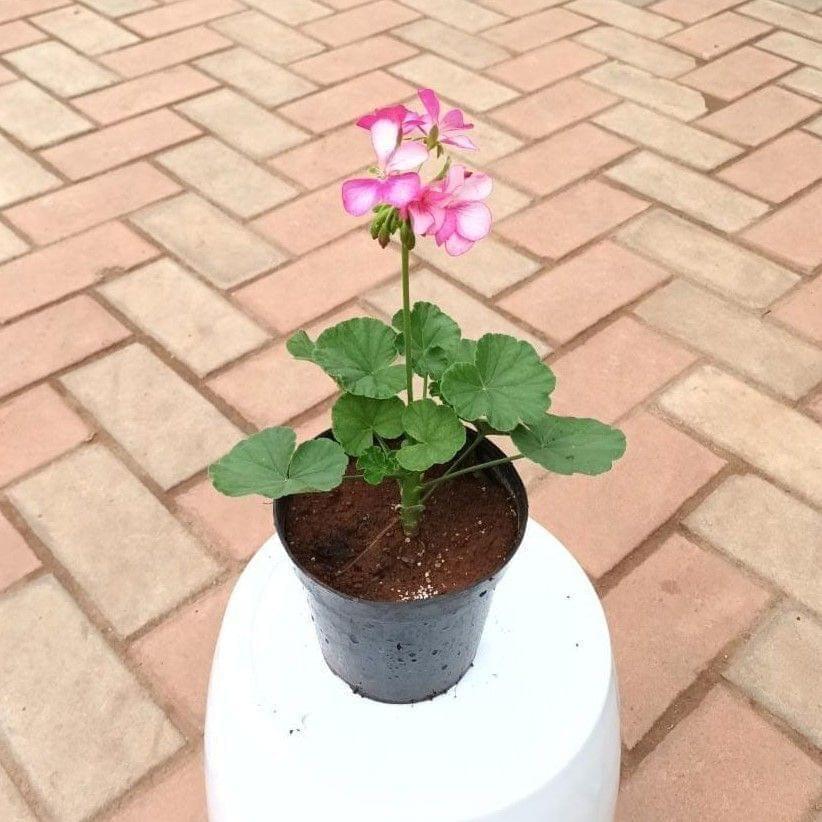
(425, 386)
(433, 484)
(411, 506)
(406, 323)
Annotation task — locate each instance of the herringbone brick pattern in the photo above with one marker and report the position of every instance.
(169, 212)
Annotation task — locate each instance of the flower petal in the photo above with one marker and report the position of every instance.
(385, 134)
(407, 157)
(360, 196)
(455, 120)
(458, 140)
(401, 189)
(431, 102)
(456, 245)
(447, 227)
(473, 220)
(477, 186)
(421, 219)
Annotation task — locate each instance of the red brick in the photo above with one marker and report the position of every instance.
(36, 427)
(602, 519)
(716, 35)
(802, 310)
(82, 205)
(69, 265)
(18, 34)
(12, 9)
(16, 558)
(669, 618)
(34, 347)
(179, 15)
(538, 29)
(339, 29)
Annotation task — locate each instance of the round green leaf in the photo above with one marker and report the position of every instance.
(436, 432)
(267, 464)
(301, 346)
(377, 464)
(433, 335)
(356, 420)
(570, 445)
(359, 354)
(506, 384)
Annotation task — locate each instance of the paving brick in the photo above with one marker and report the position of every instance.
(17, 560)
(12, 805)
(244, 124)
(194, 323)
(768, 531)
(792, 232)
(793, 47)
(474, 317)
(21, 177)
(723, 761)
(466, 87)
(176, 655)
(18, 34)
(84, 29)
(537, 30)
(237, 525)
(661, 469)
(553, 108)
(639, 21)
(689, 11)
(267, 37)
(327, 158)
(357, 58)
(132, 385)
(736, 272)
(731, 335)
(466, 49)
(36, 427)
(802, 310)
(47, 649)
(737, 73)
(637, 51)
(519, 8)
(779, 666)
(806, 81)
(36, 118)
(117, 8)
(545, 65)
(615, 370)
(358, 23)
(338, 273)
(565, 300)
(10, 245)
(570, 219)
(60, 69)
(461, 14)
(689, 191)
(777, 440)
(492, 143)
(163, 52)
(488, 269)
(815, 126)
(50, 273)
(778, 14)
(759, 116)
(291, 11)
(228, 178)
(14, 9)
(114, 145)
(222, 250)
(183, 789)
(505, 200)
(143, 94)
(82, 205)
(179, 15)
(669, 618)
(715, 36)
(36, 346)
(556, 161)
(261, 79)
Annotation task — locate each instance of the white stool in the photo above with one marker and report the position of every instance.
(530, 734)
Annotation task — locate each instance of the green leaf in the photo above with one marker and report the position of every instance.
(359, 354)
(434, 335)
(506, 384)
(356, 420)
(377, 464)
(267, 464)
(570, 445)
(301, 346)
(437, 433)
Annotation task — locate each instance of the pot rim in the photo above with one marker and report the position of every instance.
(506, 474)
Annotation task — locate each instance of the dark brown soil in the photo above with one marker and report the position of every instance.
(351, 540)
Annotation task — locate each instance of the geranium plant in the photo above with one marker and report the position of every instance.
(497, 383)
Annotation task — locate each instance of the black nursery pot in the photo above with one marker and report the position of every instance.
(414, 650)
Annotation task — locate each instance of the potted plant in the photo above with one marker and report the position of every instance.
(402, 517)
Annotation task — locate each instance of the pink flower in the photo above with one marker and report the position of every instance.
(402, 116)
(449, 126)
(397, 184)
(451, 210)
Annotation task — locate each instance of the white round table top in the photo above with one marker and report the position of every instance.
(288, 740)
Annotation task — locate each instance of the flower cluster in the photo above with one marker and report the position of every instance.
(449, 207)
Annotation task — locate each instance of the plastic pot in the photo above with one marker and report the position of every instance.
(414, 650)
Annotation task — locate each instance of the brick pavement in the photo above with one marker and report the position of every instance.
(658, 237)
